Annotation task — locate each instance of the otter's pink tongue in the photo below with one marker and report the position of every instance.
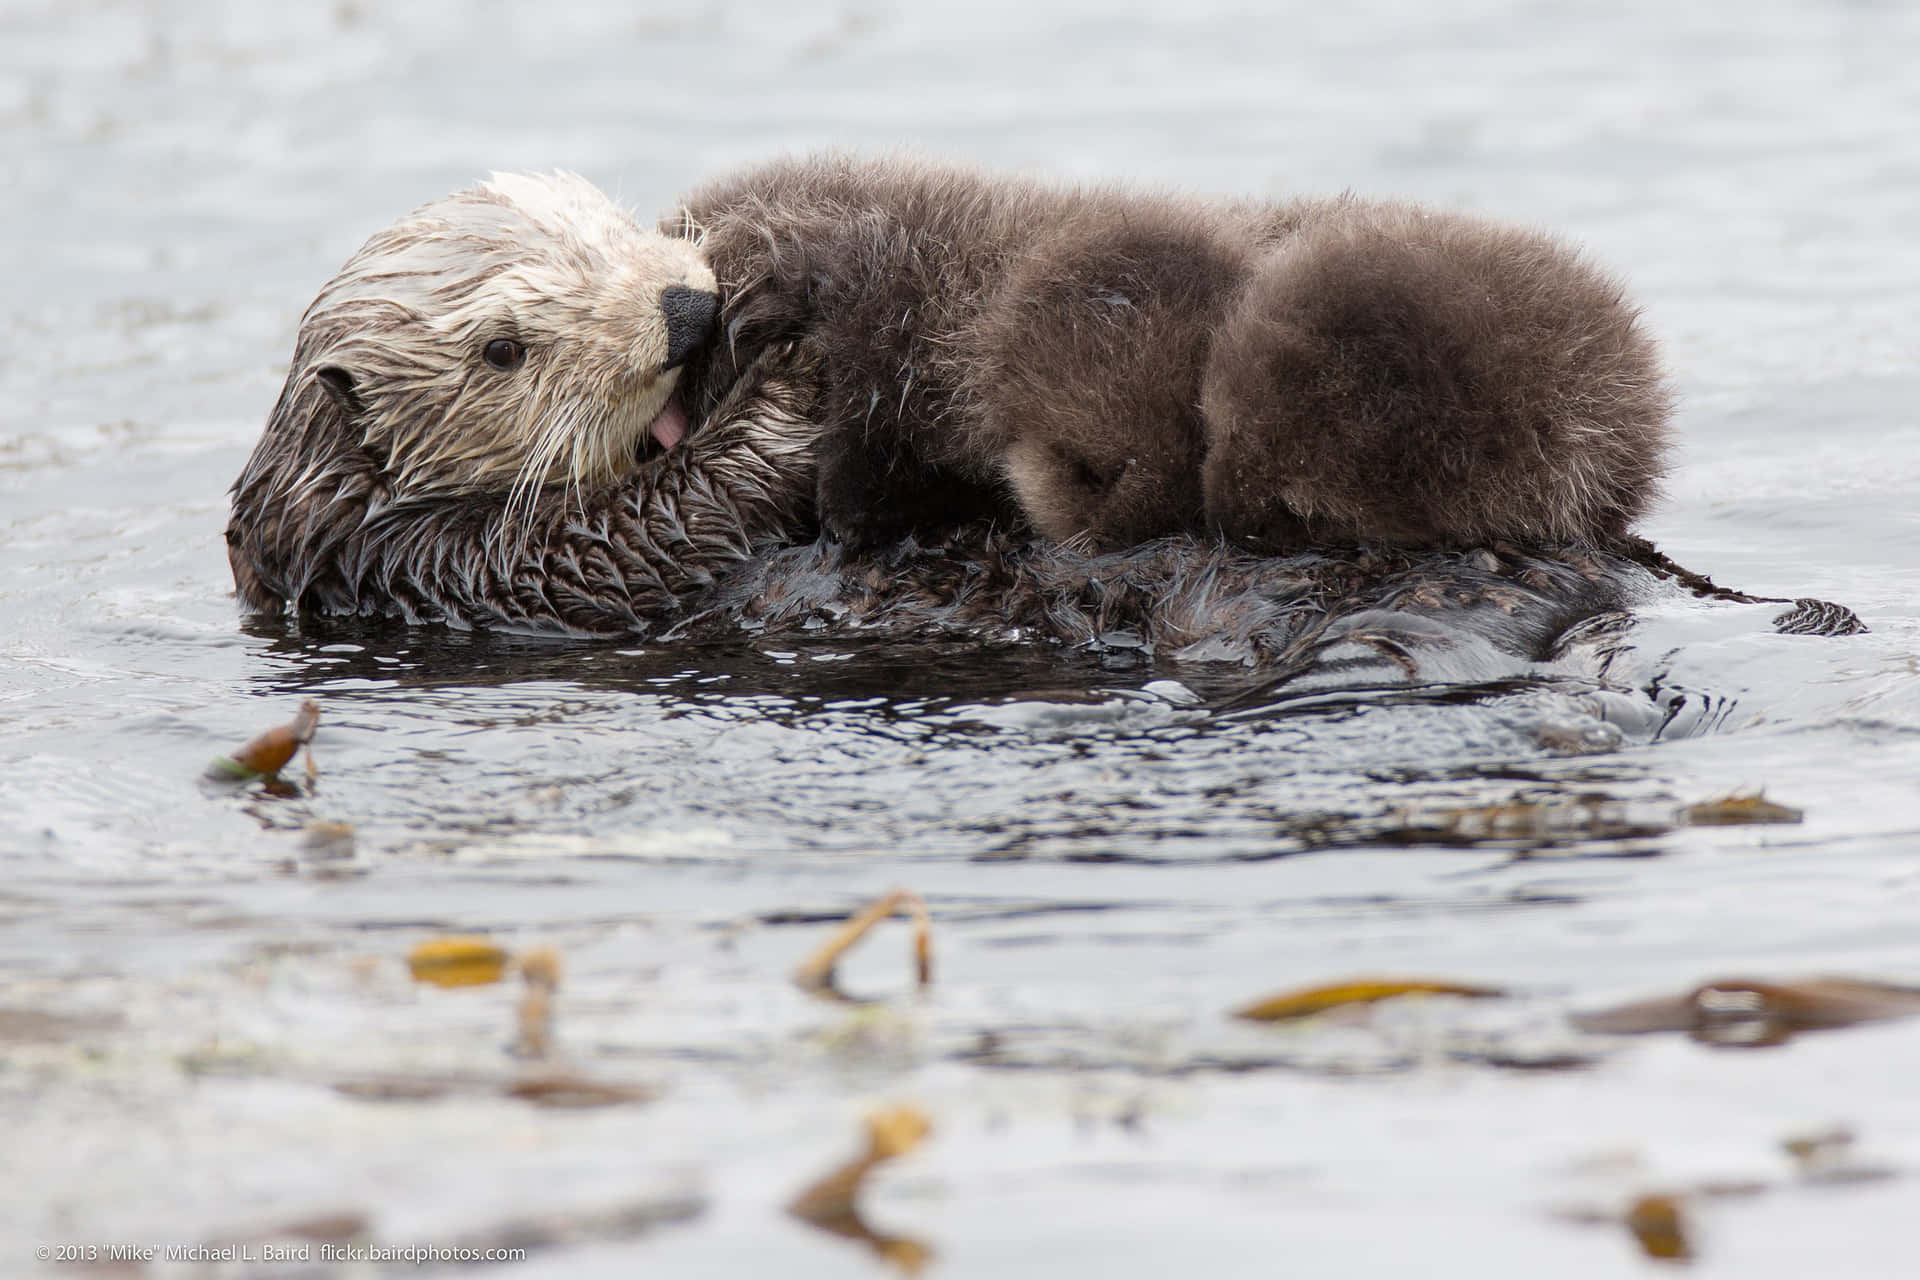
(670, 427)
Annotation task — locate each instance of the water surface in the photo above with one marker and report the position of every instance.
(186, 975)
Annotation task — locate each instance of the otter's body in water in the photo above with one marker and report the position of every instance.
(1115, 365)
(414, 468)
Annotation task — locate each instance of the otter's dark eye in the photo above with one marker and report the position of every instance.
(504, 353)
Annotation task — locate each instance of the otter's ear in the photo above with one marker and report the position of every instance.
(340, 385)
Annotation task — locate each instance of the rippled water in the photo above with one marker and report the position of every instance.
(186, 973)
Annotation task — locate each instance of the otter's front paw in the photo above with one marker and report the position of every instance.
(855, 505)
(867, 501)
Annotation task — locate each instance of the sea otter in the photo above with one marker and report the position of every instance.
(1114, 366)
(460, 436)
(415, 468)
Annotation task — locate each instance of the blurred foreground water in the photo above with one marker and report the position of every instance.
(207, 1027)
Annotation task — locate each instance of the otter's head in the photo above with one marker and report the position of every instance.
(523, 333)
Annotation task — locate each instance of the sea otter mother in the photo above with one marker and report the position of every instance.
(481, 427)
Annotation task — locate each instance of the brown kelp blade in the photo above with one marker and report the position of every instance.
(816, 972)
(458, 960)
(1743, 1012)
(1739, 810)
(266, 754)
(1304, 1002)
(1660, 1228)
(831, 1203)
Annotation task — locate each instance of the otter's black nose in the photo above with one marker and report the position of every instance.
(690, 314)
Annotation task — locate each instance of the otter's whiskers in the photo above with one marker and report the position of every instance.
(554, 436)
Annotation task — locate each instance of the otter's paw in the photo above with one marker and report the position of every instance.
(856, 505)
(865, 508)
(1399, 376)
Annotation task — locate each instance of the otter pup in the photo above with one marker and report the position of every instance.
(1116, 366)
(1389, 374)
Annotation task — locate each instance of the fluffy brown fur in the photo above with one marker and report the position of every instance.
(1395, 375)
(1085, 370)
(880, 269)
(1117, 365)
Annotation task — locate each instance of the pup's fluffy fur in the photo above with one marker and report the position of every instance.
(1116, 365)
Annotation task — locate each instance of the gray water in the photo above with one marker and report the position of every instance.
(185, 976)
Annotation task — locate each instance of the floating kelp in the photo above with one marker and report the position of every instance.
(816, 972)
(407, 1088)
(1828, 1158)
(832, 1202)
(540, 968)
(293, 1241)
(567, 1090)
(458, 960)
(1743, 1013)
(1307, 1001)
(545, 1089)
(461, 960)
(1528, 824)
(1739, 811)
(639, 1212)
(624, 1219)
(266, 754)
(1660, 1221)
(1660, 1228)
(1562, 820)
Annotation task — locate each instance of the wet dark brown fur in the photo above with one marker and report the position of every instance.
(315, 529)
(1119, 365)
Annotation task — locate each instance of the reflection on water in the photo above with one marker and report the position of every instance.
(1115, 853)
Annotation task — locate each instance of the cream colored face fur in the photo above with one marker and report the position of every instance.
(542, 260)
